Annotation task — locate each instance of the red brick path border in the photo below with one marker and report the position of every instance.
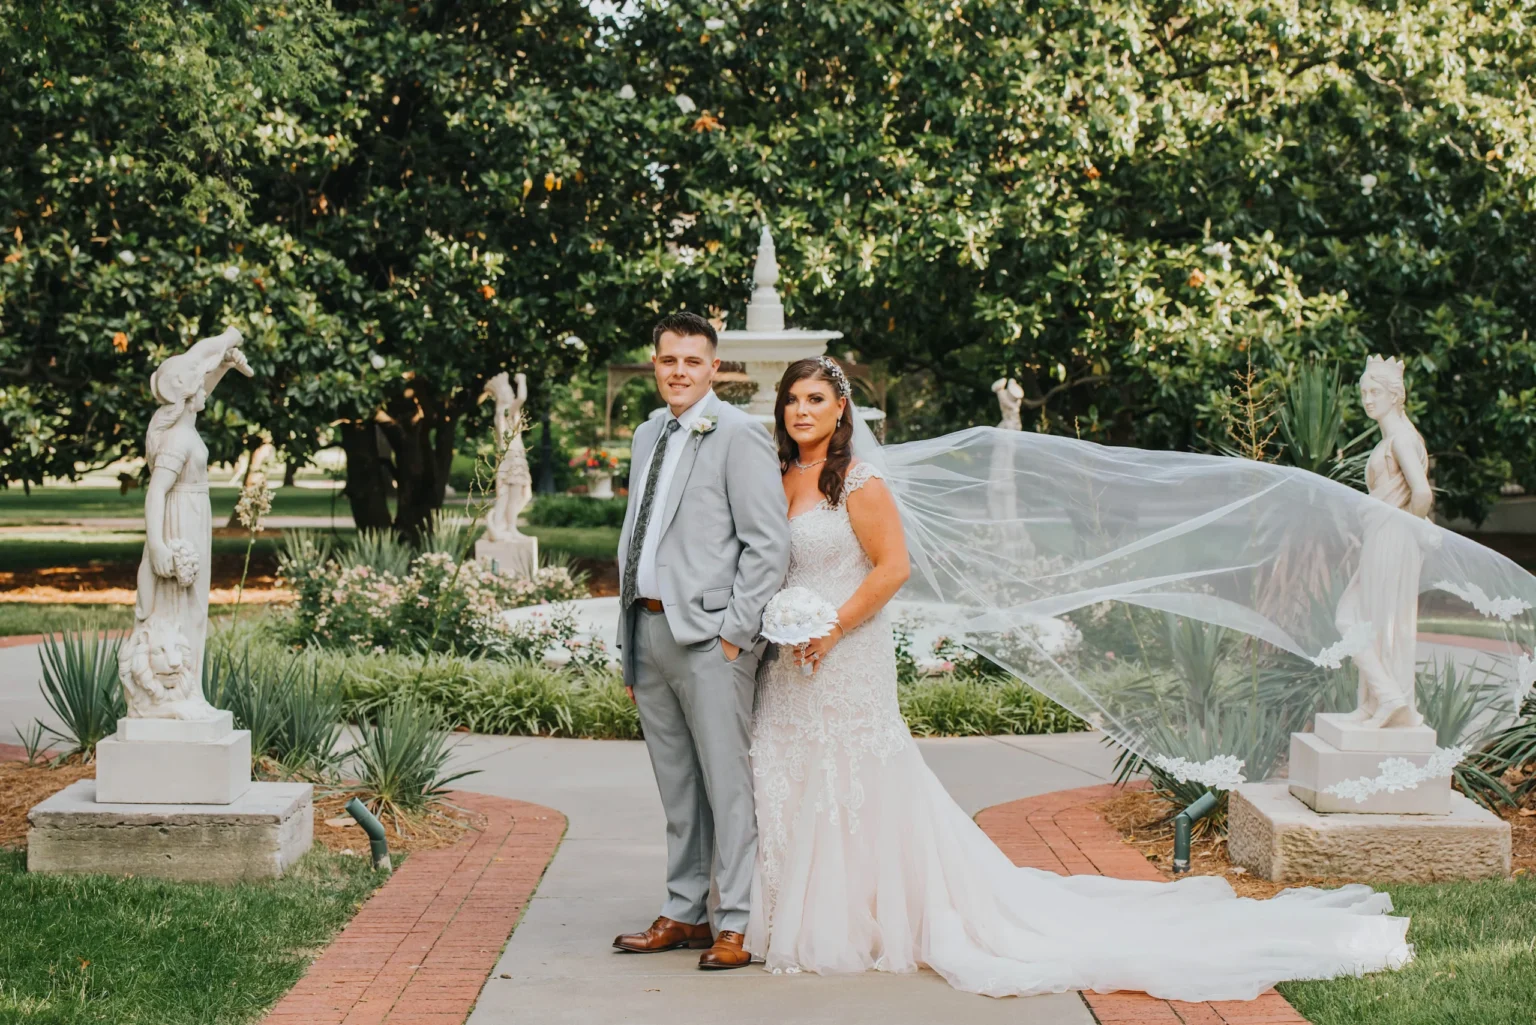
(426, 941)
(1061, 833)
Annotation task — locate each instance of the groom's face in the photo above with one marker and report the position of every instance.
(685, 368)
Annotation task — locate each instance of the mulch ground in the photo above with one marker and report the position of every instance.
(114, 582)
(23, 785)
(1145, 823)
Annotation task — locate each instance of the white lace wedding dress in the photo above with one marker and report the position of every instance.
(866, 862)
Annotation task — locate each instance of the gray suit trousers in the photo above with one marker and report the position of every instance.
(696, 710)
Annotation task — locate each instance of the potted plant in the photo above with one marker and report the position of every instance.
(599, 466)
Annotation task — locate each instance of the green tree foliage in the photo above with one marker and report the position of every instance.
(1123, 204)
(1120, 202)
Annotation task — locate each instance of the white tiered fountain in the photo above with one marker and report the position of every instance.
(767, 347)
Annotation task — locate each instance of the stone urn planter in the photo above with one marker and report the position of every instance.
(598, 466)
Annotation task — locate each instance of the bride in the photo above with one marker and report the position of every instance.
(866, 862)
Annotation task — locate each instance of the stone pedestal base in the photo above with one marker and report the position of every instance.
(168, 761)
(257, 837)
(517, 557)
(1276, 837)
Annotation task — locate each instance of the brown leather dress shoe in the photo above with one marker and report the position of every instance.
(727, 952)
(665, 934)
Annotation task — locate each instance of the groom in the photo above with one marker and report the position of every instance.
(705, 545)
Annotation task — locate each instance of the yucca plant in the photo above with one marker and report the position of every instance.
(1453, 700)
(379, 550)
(310, 725)
(401, 757)
(235, 685)
(81, 687)
(1310, 418)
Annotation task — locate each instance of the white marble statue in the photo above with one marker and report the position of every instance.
(514, 482)
(160, 664)
(1382, 598)
(1010, 399)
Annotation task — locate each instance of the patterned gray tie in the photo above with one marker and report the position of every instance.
(630, 590)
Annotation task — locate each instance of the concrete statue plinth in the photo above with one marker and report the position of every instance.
(256, 836)
(1273, 835)
(173, 795)
(516, 556)
(1340, 750)
(169, 761)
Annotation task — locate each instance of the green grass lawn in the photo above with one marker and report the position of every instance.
(18, 617)
(577, 542)
(62, 502)
(28, 550)
(79, 949)
(1475, 965)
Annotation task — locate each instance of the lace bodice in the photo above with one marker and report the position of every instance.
(829, 723)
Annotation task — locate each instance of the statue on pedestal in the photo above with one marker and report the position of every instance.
(1382, 597)
(514, 481)
(1010, 399)
(161, 663)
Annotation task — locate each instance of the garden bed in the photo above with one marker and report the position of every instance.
(1474, 960)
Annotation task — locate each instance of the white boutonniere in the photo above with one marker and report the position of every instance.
(703, 425)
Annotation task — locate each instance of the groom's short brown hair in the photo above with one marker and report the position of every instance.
(685, 324)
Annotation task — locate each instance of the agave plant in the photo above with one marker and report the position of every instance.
(81, 687)
(401, 757)
(293, 715)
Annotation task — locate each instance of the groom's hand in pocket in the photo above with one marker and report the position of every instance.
(631, 692)
(731, 651)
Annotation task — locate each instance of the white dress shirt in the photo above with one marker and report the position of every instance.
(646, 584)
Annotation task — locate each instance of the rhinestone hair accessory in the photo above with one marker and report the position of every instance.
(1389, 370)
(835, 372)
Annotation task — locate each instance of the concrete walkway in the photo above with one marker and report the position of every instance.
(608, 878)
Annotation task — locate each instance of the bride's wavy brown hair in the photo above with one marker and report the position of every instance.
(839, 446)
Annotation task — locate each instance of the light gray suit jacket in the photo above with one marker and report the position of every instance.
(724, 542)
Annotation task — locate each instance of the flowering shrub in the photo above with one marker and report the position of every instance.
(438, 604)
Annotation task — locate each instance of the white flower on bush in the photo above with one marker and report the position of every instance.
(231, 272)
(626, 92)
(127, 257)
(1367, 184)
(685, 103)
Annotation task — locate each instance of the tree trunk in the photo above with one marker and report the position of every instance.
(443, 439)
(367, 487)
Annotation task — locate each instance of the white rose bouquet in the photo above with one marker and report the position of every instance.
(797, 615)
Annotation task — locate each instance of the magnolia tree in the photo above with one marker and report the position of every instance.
(1122, 204)
(1119, 205)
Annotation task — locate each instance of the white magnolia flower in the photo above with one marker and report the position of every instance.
(126, 256)
(1367, 183)
(685, 103)
(714, 24)
(626, 92)
(231, 272)
(376, 361)
(573, 342)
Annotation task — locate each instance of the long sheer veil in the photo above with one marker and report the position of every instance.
(1199, 609)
